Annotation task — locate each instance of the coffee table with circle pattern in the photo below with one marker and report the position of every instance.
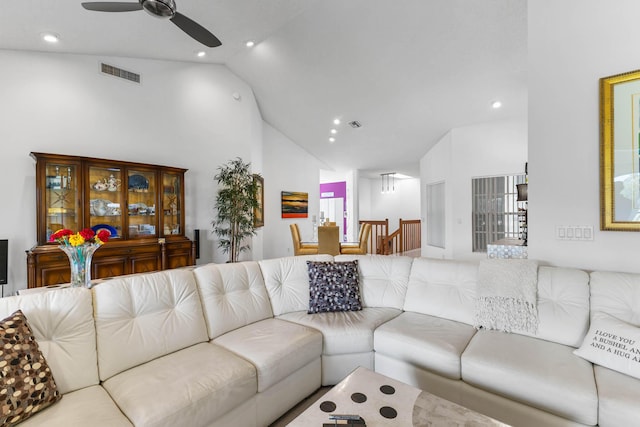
(383, 401)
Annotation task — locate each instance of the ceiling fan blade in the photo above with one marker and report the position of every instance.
(108, 6)
(195, 30)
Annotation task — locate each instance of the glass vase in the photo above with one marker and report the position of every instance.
(80, 263)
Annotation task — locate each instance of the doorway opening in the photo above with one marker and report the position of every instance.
(333, 205)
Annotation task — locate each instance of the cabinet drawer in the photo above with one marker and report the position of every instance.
(145, 264)
(179, 254)
(177, 260)
(53, 275)
(53, 257)
(109, 266)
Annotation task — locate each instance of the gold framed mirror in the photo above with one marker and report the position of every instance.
(620, 152)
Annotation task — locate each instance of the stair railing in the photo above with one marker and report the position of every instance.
(406, 238)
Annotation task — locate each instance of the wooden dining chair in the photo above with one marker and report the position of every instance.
(300, 248)
(329, 240)
(362, 247)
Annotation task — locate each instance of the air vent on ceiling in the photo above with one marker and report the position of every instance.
(355, 124)
(119, 72)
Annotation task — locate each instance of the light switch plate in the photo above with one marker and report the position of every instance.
(574, 232)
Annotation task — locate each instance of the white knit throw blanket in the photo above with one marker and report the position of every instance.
(507, 294)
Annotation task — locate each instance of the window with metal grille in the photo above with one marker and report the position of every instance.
(495, 210)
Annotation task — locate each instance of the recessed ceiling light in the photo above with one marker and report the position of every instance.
(336, 121)
(496, 104)
(250, 43)
(201, 54)
(333, 131)
(332, 140)
(50, 37)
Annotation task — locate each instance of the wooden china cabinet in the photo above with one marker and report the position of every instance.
(141, 205)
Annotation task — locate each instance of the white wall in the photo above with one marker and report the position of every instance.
(403, 203)
(287, 167)
(572, 44)
(364, 198)
(435, 167)
(488, 149)
(183, 114)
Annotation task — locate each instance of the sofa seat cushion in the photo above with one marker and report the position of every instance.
(429, 342)
(269, 343)
(91, 406)
(345, 331)
(191, 387)
(618, 395)
(538, 373)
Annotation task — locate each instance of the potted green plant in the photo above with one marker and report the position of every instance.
(235, 204)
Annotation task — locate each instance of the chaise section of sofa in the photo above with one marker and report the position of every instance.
(62, 323)
(538, 369)
(239, 318)
(155, 358)
(524, 379)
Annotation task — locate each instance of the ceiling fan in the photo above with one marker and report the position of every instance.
(160, 9)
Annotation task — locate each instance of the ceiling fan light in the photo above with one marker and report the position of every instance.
(159, 8)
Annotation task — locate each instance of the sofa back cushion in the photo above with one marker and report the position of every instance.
(383, 279)
(142, 317)
(447, 289)
(563, 305)
(443, 288)
(287, 282)
(617, 294)
(233, 295)
(62, 324)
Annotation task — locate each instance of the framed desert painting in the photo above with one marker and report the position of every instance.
(295, 204)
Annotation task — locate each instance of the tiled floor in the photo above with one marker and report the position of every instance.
(299, 408)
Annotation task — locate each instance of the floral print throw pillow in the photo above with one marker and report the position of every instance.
(333, 286)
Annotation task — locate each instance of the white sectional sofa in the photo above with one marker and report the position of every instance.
(233, 345)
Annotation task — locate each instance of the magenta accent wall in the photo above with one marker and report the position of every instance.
(339, 189)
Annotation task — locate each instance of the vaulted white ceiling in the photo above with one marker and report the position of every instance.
(407, 70)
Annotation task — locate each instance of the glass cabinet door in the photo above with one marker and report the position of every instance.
(141, 203)
(61, 197)
(105, 200)
(171, 209)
